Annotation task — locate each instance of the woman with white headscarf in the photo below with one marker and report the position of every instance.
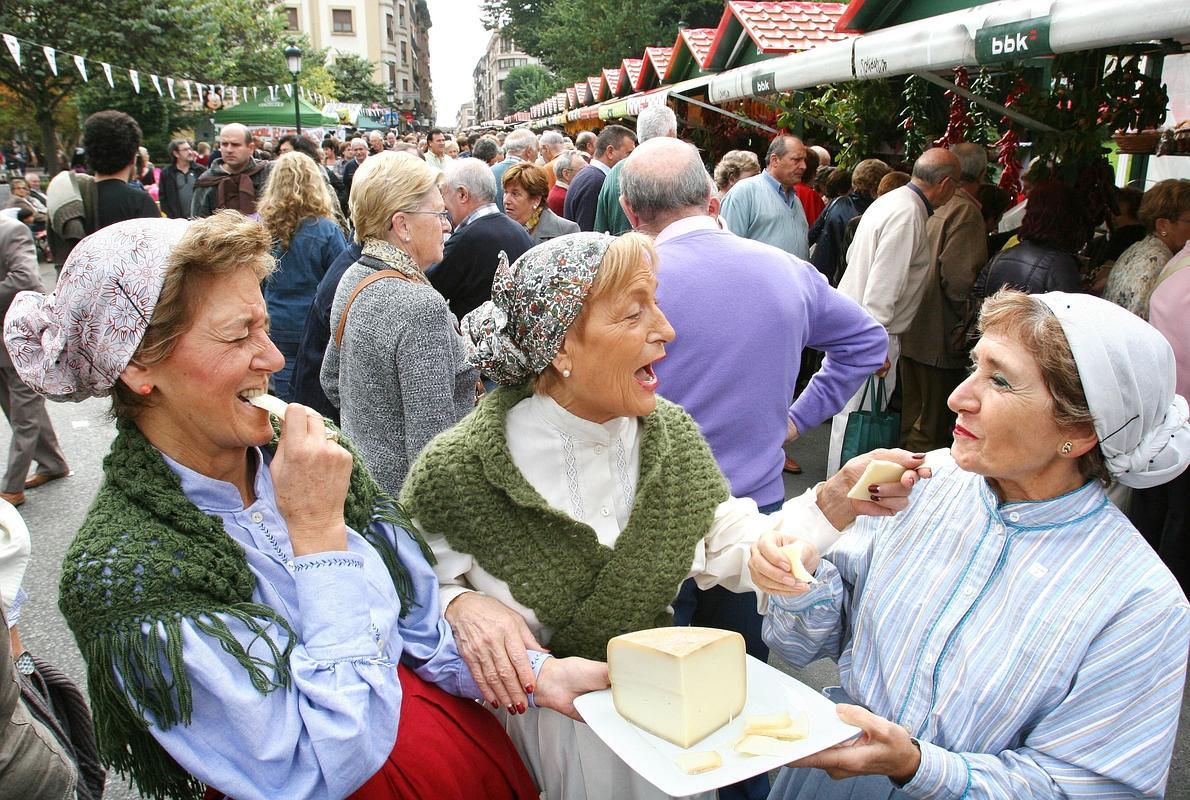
(1010, 634)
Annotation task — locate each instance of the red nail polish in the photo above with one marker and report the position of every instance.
(494, 704)
(521, 708)
(919, 455)
(529, 688)
(873, 489)
(874, 498)
(512, 709)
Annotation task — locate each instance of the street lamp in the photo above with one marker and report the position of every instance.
(293, 56)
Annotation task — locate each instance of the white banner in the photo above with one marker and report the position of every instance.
(169, 82)
(134, 76)
(51, 58)
(14, 47)
(81, 65)
(107, 71)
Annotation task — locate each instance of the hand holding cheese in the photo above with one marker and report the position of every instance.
(310, 479)
(876, 472)
(783, 564)
(838, 503)
(681, 684)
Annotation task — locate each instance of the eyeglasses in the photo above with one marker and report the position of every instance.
(443, 216)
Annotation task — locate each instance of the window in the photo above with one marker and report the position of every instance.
(405, 85)
(404, 54)
(390, 28)
(291, 19)
(401, 11)
(341, 20)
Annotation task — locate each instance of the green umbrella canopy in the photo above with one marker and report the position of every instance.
(277, 113)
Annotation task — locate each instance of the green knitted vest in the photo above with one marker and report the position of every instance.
(146, 554)
(465, 487)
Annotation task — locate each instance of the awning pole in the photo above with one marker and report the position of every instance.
(736, 117)
(1025, 120)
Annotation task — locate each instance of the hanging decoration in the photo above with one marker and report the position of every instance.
(14, 47)
(915, 116)
(169, 84)
(156, 84)
(107, 71)
(134, 76)
(982, 125)
(81, 65)
(50, 57)
(1009, 144)
(958, 121)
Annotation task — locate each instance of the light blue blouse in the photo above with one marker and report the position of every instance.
(1036, 649)
(334, 726)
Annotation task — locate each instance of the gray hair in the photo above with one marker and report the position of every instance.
(519, 141)
(552, 138)
(664, 174)
(973, 161)
(584, 138)
(485, 149)
(936, 165)
(654, 121)
(473, 175)
(565, 162)
(778, 146)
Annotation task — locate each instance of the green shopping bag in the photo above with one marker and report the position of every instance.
(870, 429)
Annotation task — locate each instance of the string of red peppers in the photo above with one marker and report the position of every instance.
(1008, 145)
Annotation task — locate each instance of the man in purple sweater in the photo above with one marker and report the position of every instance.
(743, 311)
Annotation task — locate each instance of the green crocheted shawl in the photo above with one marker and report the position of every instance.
(146, 554)
(465, 487)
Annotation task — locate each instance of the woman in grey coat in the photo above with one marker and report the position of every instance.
(525, 189)
(395, 364)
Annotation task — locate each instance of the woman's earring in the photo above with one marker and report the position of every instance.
(565, 373)
(1066, 448)
(146, 388)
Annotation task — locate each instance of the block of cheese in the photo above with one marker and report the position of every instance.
(877, 471)
(681, 684)
(698, 762)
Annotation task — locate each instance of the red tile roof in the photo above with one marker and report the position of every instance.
(571, 97)
(583, 92)
(612, 79)
(774, 27)
(698, 41)
(593, 84)
(660, 56)
(630, 70)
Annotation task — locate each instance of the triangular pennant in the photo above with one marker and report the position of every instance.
(244, 93)
(289, 89)
(14, 47)
(81, 65)
(107, 71)
(169, 82)
(186, 86)
(51, 58)
(156, 84)
(254, 90)
(134, 76)
(233, 94)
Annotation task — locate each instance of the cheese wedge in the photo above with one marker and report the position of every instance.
(274, 405)
(698, 762)
(798, 728)
(681, 684)
(877, 471)
(753, 745)
(783, 725)
(794, 553)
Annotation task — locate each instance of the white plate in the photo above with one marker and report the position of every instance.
(769, 691)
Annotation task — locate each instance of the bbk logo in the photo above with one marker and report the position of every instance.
(1013, 43)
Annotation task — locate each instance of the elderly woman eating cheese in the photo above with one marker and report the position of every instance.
(1010, 635)
(253, 614)
(571, 504)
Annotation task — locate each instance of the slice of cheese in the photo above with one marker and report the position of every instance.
(701, 761)
(798, 728)
(681, 684)
(783, 725)
(754, 745)
(793, 552)
(877, 471)
(274, 405)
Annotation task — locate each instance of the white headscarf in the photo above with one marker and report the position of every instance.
(1127, 372)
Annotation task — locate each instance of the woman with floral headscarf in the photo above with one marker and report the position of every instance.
(256, 615)
(570, 506)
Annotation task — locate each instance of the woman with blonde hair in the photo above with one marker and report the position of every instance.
(298, 210)
(395, 364)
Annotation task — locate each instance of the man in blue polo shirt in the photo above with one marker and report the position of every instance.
(765, 207)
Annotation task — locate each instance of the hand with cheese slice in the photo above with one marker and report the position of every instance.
(793, 551)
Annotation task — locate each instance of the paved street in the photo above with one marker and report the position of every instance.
(54, 512)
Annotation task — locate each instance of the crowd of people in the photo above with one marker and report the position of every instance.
(542, 392)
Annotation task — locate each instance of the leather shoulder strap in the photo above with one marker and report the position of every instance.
(379, 274)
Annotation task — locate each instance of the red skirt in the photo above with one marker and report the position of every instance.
(447, 748)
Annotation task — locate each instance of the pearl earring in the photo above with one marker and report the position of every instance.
(1066, 448)
(565, 373)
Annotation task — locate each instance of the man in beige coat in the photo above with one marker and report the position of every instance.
(931, 367)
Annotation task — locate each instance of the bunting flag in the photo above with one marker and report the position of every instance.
(134, 76)
(107, 71)
(169, 82)
(14, 47)
(81, 65)
(156, 84)
(51, 58)
(234, 90)
(289, 89)
(186, 86)
(254, 89)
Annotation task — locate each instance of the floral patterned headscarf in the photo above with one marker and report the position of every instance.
(74, 343)
(515, 335)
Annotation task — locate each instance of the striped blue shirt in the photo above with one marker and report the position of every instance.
(1036, 649)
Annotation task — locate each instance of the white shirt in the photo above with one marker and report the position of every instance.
(589, 471)
(437, 163)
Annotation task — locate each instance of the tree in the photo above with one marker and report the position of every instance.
(527, 85)
(576, 38)
(353, 79)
